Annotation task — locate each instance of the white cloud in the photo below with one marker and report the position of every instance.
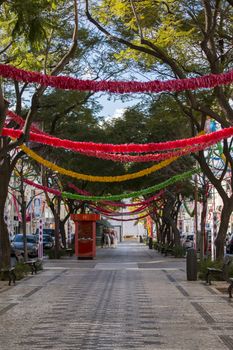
(118, 113)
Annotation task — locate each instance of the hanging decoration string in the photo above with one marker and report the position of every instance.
(117, 197)
(69, 83)
(146, 201)
(20, 121)
(131, 219)
(121, 157)
(43, 188)
(125, 158)
(142, 192)
(117, 213)
(121, 148)
(92, 178)
(143, 205)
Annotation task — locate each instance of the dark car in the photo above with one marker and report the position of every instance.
(47, 231)
(48, 241)
(188, 243)
(229, 247)
(17, 245)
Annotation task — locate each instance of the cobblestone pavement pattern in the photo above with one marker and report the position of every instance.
(127, 298)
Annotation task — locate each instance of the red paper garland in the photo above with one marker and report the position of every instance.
(69, 83)
(20, 121)
(146, 157)
(121, 148)
(120, 157)
(117, 157)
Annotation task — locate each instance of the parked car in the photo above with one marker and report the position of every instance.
(47, 231)
(188, 243)
(182, 238)
(48, 241)
(17, 245)
(229, 245)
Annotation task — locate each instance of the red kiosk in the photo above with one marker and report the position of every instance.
(85, 235)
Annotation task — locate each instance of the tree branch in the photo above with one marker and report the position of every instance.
(206, 169)
(39, 92)
(137, 19)
(7, 47)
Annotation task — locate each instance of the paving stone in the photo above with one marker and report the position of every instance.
(128, 298)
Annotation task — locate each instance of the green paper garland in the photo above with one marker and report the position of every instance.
(118, 197)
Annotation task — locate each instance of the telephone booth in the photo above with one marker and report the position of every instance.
(85, 235)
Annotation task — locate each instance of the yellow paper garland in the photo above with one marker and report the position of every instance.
(91, 178)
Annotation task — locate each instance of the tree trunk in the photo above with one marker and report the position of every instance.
(63, 232)
(24, 225)
(227, 206)
(23, 215)
(158, 231)
(223, 228)
(176, 233)
(169, 220)
(57, 222)
(203, 222)
(4, 236)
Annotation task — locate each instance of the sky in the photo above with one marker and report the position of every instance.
(114, 108)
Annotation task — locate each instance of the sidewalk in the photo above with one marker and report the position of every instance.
(127, 298)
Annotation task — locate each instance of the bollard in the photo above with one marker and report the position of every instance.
(150, 243)
(191, 265)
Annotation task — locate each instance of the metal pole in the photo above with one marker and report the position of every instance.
(214, 230)
(195, 213)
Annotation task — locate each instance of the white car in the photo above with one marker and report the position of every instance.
(188, 243)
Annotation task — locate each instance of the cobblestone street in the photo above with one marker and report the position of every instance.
(127, 298)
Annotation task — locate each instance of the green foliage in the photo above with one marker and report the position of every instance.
(204, 264)
(30, 19)
(176, 251)
(179, 251)
(230, 270)
(51, 254)
(21, 270)
(156, 121)
(61, 253)
(164, 24)
(38, 32)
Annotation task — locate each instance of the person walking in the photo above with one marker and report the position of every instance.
(108, 239)
(102, 239)
(114, 239)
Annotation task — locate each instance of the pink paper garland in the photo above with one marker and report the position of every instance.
(43, 188)
(69, 83)
(113, 213)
